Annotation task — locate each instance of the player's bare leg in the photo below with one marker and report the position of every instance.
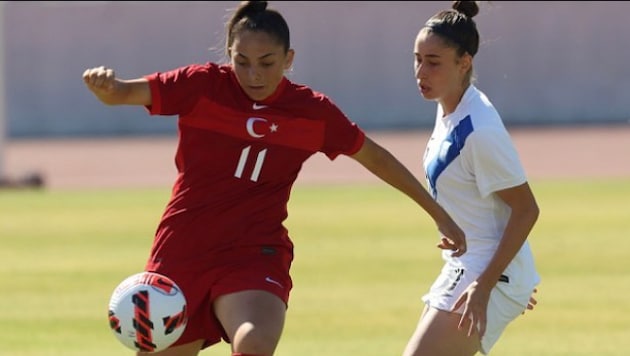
(437, 335)
(253, 320)
(189, 349)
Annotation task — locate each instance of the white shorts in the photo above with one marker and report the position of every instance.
(507, 300)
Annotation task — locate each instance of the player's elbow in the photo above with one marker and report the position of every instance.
(533, 212)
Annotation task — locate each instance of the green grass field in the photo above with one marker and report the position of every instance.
(364, 256)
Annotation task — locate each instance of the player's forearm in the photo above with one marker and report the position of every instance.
(116, 95)
(385, 166)
(516, 232)
(127, 92)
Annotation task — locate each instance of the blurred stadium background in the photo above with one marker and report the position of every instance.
(544, 64)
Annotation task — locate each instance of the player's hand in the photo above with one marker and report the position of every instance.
(100, 80)
(532, 302)
(453, 238)
(475, 301)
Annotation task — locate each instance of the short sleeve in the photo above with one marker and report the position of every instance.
(342, 136)
(491, 157)
(176, 92)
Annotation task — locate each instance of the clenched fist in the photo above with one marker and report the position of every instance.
(100, 80)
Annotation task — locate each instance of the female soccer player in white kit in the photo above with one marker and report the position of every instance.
(473, 171)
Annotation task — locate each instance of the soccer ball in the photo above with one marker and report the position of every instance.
(147, 312)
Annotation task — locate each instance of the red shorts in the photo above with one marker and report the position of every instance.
(252, 268)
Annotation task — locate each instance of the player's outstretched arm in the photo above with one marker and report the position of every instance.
(110, 90)
(384, 165)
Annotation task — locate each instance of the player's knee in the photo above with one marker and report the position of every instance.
(252, 339)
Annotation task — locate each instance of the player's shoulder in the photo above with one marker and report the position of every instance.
(476, 100)
(207, 68)
(480, 108)
(309, 97)
(485, 121)
(305, 92)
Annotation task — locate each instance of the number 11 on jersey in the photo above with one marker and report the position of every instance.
(260, 158)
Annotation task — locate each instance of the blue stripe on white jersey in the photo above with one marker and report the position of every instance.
(450, 148)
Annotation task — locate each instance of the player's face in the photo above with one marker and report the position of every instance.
(440, 74)
(259, 62)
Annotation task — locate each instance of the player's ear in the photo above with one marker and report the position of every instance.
(465, 63)
(288, 61)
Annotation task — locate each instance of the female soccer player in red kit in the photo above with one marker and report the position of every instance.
(244, 132)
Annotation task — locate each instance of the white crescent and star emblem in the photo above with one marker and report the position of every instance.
(250, 127)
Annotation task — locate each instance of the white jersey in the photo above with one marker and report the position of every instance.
(469, 156)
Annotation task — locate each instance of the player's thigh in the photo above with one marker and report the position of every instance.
(264, 310)
(189, 349)
(437, 335)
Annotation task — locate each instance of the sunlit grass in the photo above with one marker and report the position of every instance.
(364, 256)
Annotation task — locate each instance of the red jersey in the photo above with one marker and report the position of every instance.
(237, 160)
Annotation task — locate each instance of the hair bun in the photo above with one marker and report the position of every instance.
(468, 8)
(254, 7)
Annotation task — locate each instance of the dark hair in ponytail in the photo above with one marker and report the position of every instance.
(255, 16)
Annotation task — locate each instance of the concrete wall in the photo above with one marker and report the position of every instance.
(540, 62)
